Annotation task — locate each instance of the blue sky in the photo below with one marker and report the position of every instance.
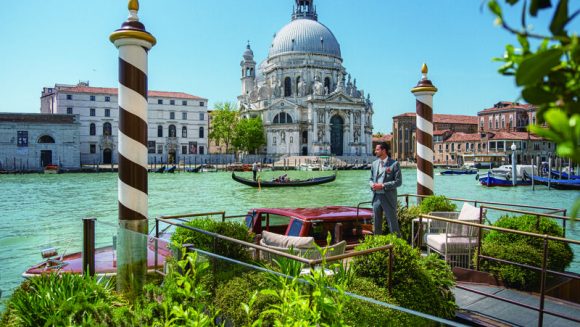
(200, 46)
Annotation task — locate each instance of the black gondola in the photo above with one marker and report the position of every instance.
(296, 182)
(171, 169)
(160, 169)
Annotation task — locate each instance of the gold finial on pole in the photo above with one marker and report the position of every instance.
(424, 69)
(134, 5)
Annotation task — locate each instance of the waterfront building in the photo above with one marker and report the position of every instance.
(29, 142)
(308, 103)
(507, 116)
(178, 122)
(404, 126)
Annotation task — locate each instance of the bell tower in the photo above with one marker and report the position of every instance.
(248, 70)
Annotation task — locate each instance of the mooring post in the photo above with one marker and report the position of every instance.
(133, 42)
(89, 246)
(424, 91)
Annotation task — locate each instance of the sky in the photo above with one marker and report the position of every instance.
(200, 45)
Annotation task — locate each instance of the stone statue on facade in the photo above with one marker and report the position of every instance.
(320, 135)
(321, 116)
(340, 84)
(317, 87)
(356, 135)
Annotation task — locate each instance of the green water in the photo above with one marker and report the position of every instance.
(39, 211)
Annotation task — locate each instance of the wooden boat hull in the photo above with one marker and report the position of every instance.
(308, 182)
(105, 261)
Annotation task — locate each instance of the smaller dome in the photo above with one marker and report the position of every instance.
(248, 54)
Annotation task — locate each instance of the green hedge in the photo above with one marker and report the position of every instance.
(420, 283)
(205, 242)
(429, 204)
(524, 249)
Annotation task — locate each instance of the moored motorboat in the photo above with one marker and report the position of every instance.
(502, 176)
(51, 169)
(105, 260)
(560, 184)
(284, 182)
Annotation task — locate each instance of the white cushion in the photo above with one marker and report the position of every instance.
(440, 243)
(283, 241)
(469, 212)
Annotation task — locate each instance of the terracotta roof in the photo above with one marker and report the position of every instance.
(113, 91)
(446, 118)
(464, 137)
(514, 136)
(37, 118)
(507, 106)
(440, 131)
(386, 138)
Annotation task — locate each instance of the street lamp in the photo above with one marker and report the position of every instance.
(514, 172)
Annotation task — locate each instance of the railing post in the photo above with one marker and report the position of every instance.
(543, 282)
(420, 236)
(479, 234)
(564, 223)
(89, 246)
(391, 259)
(407, 201)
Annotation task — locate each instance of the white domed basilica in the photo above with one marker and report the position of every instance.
(307, 103)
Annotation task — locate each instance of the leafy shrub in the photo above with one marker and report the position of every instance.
(524, 249)
(205, 242)
(62, 300)
(422, 284)
(363, 313)
(405, 216)
(181, 300)
(436, 203)
(230, 296)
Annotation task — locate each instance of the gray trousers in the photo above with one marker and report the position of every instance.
(382, 205)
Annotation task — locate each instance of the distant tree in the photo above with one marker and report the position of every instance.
(249, 135)
(549, 75)
(224, 119)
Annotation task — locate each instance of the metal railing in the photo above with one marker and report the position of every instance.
(544, 271)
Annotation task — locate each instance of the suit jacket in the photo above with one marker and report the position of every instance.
(390, 177)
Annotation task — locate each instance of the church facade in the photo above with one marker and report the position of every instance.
(307, 102)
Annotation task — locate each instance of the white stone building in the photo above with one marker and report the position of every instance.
(178, 123)
(29, 142)
(301, 92)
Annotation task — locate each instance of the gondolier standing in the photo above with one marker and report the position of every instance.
(385, 178)
(255, 170)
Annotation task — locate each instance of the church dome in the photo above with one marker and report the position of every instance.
(305, 35)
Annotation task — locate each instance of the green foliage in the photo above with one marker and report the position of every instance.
(405, 216)
(205, 242)
(524, 249)
(63, 300)
(231, 295)
(436, 203)
(549, 75)
(249, 135)
(363, 313)
(422, 284)
(182, 299)
(224, 119)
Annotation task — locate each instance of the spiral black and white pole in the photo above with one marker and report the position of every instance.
(424, 92)
(133, 42)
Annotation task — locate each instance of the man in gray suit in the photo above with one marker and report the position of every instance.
(385, 178)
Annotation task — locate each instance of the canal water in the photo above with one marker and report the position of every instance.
(40, 211)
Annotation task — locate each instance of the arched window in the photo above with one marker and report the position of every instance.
(184, 131)
(248, 72)
(172, 131)
(327, 84)
(107, 130)
(159, 131)
(287, 87)
(201, 133)
(92, 129)
(45, 139)
(282, 118)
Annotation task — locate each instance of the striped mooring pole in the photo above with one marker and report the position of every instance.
(133, 42)
(424, 91)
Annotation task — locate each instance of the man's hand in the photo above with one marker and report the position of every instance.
(377, 186)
